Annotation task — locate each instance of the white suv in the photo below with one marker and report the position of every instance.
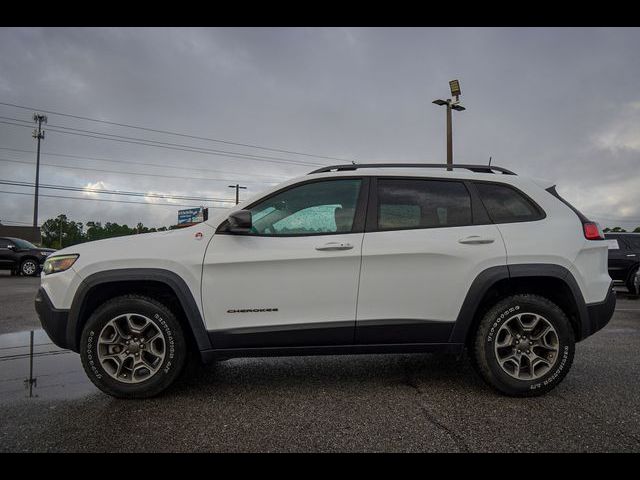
(349, 259)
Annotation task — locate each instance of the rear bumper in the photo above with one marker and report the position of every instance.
(53, 320)
(599, 314)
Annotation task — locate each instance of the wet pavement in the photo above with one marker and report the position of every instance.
(350, 403)
(16, 303)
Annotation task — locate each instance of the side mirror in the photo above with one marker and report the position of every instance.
(240, 222)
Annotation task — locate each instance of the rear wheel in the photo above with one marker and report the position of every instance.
(524, 346)
(133, 347)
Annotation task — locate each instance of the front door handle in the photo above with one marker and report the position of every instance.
(631, 255)
(476, 240)
(335, 246)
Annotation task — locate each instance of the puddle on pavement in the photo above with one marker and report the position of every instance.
(56, 373)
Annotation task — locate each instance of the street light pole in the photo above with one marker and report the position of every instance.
(449, 137)
(451, 105)
(237, 187)
(38, 134)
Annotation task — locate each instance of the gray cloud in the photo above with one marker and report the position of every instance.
(561, 104)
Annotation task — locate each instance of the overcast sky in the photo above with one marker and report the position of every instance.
(557, 103)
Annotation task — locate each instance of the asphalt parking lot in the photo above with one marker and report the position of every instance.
(405, 403)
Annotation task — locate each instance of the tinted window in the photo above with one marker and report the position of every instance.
(622, 245)
(422, 204)
(23, 244)
(313, 208)
(634, 242)
(4, 243)
(505, 204)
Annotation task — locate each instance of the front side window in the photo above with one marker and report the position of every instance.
(23, 244)
(506, 205)
(409, 203)
(311, 209)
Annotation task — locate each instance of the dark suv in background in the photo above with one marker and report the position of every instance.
(624, 260)
(21, 257)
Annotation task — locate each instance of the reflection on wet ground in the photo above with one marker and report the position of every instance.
(55, 373)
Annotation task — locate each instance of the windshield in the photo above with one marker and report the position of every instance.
(23, 244)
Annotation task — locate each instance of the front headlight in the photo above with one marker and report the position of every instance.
(59, 263)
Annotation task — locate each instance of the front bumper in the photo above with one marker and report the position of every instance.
(53, 320)
(599, 314)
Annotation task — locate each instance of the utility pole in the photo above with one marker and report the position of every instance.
(39, 135)
(454, 85)
(237, 187)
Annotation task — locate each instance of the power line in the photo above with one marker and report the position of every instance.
(129, 162)
(109, 200)
(120, 172)
(112, 192)
(167, 132)
(169, 146)
(203, 151)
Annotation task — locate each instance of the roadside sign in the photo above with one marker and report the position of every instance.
(191, 215)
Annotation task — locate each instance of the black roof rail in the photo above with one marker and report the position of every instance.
(356, 166)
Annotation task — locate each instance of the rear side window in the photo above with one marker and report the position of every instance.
(506, 205)
(409, 203)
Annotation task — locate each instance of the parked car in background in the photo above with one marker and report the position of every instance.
(22, 257)
(624, 258)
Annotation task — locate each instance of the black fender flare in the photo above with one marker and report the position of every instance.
(489, 277)
(167, 277)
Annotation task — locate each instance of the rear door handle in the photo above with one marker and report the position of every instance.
(335, 246)
(476, 240)
(631, 255)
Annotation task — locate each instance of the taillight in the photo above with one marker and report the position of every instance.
(592, 231)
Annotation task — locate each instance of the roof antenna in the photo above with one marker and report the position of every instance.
(489, 161)
(353, 162)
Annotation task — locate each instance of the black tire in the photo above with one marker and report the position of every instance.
(630, 282)
(29, 267)
(176, 351)
(484, 354)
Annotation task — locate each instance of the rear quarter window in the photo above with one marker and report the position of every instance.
(505, 204)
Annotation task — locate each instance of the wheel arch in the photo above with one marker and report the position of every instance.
(551, 281)
(162, 284)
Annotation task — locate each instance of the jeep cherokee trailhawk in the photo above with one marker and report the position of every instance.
(349, 259)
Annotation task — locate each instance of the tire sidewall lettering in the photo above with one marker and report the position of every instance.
(495, 326)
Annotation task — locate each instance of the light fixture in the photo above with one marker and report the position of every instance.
(454, 85)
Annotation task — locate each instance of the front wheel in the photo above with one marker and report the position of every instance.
(29, 267)
(524, 346)
(133, 347)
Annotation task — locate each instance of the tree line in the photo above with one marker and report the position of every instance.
(60, 232)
